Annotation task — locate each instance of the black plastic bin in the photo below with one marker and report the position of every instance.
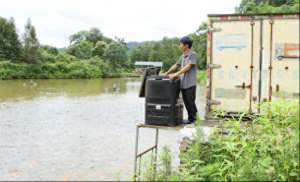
(162, 106)
(148, 72)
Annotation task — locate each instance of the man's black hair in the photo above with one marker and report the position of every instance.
(187, 41)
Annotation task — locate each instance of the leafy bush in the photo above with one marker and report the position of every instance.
(266, 149)
(10, 70)
(47, 57)
(201, 77)
(90, 68)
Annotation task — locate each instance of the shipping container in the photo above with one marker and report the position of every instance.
(251, 59)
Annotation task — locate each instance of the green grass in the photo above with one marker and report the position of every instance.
(266, 149)
(201, 77)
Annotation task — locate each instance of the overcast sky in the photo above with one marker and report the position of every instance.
(133, 20)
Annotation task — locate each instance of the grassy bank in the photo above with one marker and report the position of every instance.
(266, 149)
(92, 68)
(76, 69)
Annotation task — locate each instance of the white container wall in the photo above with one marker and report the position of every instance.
(251, 59)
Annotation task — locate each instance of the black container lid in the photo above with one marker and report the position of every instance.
(148, 72)
(158, 77)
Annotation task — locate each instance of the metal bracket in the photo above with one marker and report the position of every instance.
(213, 102)
(213, 66)
(243, 86)
(214, 29)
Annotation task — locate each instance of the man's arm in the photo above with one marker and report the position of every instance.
(191, 63)
(185, 69)
(172, 69)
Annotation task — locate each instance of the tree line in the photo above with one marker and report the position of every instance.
(92, 55)
(89, 55)
(268, 6)
(167, 49)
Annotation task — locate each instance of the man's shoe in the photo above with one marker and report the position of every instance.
(187, 121)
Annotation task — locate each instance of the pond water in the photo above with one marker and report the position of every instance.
(74, 129)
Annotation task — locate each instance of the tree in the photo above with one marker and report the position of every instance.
(141, 52)
(93, 35)
(268, 6)
(200, 44)
(155, 53)
(99, 48)
(82, 50)
(31, 44)
(166, 51)
(78, 37)
(121, 41)
(170, 51)
(50, 49)
(10, 46)
(85, 44)
(116, 54)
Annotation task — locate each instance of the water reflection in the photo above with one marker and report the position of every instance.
(29, 89)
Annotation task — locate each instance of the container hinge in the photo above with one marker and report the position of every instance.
(214, 29)
(213, 102)
(213, 66)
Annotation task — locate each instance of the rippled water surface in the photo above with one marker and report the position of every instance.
(74, 129)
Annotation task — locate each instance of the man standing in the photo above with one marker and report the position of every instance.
(188, 77)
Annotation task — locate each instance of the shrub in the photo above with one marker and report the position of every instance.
(201, 77)
(90, 68)
(267, 149)
(47, 57)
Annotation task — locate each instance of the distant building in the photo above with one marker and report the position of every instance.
(147, 64)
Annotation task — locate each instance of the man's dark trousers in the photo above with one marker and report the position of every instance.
(189, 98)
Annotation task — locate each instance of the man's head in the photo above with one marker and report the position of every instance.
(186, 43)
